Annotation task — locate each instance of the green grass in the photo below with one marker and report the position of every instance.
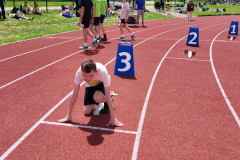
(13, 30)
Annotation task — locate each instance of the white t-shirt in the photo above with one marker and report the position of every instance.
(102, 76)
(124, 10)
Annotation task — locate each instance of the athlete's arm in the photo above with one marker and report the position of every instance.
(71, 104)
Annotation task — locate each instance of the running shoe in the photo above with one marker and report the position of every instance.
(99, 107)
(133, 36)
(121, 38)
(104, 39)
(96, 42)
(83, 47)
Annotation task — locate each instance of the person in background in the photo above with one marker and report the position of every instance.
(124, 17)
(2, 7)
(190, 7)
(140, 10)
(168, 6)
(86, 18)
(36, 9)
(15, 14)
(104, 10)
(26, 8)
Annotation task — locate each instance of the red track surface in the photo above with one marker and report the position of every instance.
(184, 115)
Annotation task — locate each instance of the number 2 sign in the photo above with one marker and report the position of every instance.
(124, 62)
(193, 36)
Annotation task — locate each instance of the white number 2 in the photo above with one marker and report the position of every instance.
(194, 37)
(126, 61)
(233, 31)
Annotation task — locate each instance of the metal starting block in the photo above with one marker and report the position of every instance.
(190, 53)
(232, 37)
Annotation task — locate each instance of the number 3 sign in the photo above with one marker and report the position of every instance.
(124, 62)
(193, 36)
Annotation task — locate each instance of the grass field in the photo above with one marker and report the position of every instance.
(13, 30)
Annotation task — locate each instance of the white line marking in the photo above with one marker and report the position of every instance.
(37, 49)
(49, 112)
(33, 127)
(89, 127)
(219, 83)
(188, 59)
(139, 131)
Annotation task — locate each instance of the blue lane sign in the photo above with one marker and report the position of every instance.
(233, 30)
(193, 36)
(124, 62)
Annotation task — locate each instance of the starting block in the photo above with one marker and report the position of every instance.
(190, 53)
(232, 37)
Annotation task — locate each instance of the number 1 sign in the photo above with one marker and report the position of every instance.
(233, 30)
(124, 62)
(193, 36)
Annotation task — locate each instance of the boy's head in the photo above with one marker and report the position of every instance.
(88, 65)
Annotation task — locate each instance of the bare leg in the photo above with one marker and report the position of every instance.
(88, 109)
(121, 28)
(92, 30)
(126, 26)
(85, 30)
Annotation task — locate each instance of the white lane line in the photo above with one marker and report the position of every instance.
(219, 83)
(67, 57)
(139, 131)
(38, 49)
(33, 127)
(189, 59)
(49, 112)
(69, 41)
(88, 127)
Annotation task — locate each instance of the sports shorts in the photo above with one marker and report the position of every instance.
(89, 92)
(102, 18)
(96, 21)
(140, 12)
(123, 21)
(85, 23)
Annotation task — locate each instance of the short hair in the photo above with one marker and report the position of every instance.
(25, 1)
(88, 65)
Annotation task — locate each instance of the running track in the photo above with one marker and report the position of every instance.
(174, 107)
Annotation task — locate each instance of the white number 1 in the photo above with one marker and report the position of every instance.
(233, 31)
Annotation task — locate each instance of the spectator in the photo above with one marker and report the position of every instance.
(17, 15)
(157, 5)
(36, 9)
(104, 10)
(190, 7)
(161, 5)
(88, 10)
(168, 5)
(26, 8)
(124, 17)
(97, 17)
(140, 10)
(3, 10)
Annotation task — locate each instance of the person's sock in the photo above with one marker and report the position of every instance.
(94, 39)
(97, 36)
(105, 36)
(122, 35)
(132, 33)
(85, 44)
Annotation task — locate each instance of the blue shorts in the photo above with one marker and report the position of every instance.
(18, 17)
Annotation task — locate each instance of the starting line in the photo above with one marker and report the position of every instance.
(88, 127)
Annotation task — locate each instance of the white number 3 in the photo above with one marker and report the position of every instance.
(126, 61)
